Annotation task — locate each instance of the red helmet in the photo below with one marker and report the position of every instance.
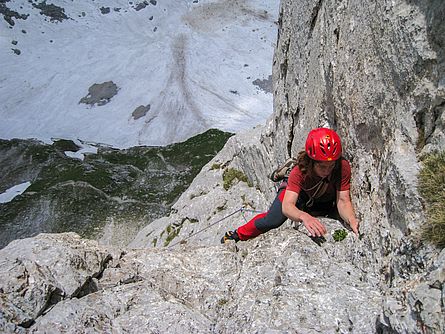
(323, 144)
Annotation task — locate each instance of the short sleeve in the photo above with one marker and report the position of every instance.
(295, 180)
(345, 182)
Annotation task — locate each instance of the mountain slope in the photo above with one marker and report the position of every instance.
(134, 73)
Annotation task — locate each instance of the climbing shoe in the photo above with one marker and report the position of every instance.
(230, 235)
(283, 171)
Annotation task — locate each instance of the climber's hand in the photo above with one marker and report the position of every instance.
(314, 226)
(354, 225)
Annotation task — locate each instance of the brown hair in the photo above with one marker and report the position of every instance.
(306, 166)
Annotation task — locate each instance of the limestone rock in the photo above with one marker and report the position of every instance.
(100, 94)
(39, 272)
(206, 210)
(417, 302)
(281, 282)
(375, 73)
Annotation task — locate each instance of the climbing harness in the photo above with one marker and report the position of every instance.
(282, 174)
(320, 189)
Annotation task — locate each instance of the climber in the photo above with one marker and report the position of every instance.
(318, 185)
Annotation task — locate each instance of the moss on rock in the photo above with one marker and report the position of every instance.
(230, 175)
(432, 189)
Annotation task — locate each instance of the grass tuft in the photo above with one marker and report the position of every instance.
(172, 232)
(232, 174)
(432, 188)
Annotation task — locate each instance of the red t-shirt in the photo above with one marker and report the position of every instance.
(298, 182)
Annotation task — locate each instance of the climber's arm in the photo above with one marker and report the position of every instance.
(290, 210)
(346, 210)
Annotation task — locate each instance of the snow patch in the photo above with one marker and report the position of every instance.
(80, 154)
(13, 192)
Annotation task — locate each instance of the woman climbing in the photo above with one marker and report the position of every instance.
(318, 185)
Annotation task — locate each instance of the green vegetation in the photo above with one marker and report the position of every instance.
(132, 186)
(339, 235)
(232, 174)
(172, 232)
(432, 189)
(65, 145)
(222, 302)
(215, 166)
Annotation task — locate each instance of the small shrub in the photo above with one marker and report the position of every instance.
(339, 235)
(222, 302)
(215, 166)
(231, 174)
(172, 232)
(432, 188)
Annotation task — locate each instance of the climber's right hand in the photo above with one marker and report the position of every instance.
(313, 226)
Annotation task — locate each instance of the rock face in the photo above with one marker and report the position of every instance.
(77, 286)
(35, 275)
(100, 94)
(375, 73)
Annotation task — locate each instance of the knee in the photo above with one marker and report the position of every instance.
(269, 222)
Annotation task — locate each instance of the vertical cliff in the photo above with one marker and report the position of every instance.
(374, 71)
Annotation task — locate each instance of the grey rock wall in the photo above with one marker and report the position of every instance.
(280, 285)
(367, 70)
(374, 71)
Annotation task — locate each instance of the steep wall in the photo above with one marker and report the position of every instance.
(374, 71)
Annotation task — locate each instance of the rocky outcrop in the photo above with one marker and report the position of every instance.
(375, 72)
(65, 284)
(38, 273)
(100, 94)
